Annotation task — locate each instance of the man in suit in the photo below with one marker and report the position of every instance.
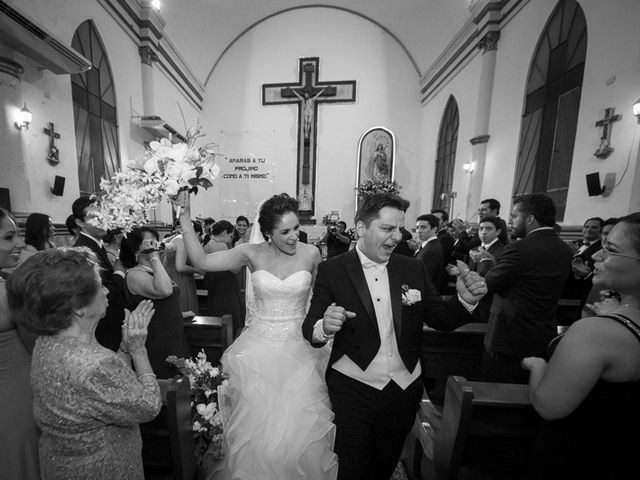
(447, 243)
(465, 241)
(430, 251)
(108, 331)
(373, 303)
(485, 256)
(526, 283)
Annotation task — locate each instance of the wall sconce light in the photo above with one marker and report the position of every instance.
(469, 167)
(636, 109)
(24, 118)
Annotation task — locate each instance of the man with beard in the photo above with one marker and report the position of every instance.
(526, 283)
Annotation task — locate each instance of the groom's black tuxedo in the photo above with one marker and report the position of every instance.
(341, 280)
(108, 331)
(379, 419)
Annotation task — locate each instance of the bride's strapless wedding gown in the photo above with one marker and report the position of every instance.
(276, 410)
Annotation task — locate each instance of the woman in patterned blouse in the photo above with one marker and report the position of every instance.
(88, 400)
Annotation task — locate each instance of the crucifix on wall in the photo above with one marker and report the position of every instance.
(54, 154)
(605, 148)
(307, 93)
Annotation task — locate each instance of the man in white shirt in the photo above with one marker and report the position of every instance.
(374, 304)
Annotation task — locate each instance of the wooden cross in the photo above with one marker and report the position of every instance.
(605, 149)
(307, 93)
(53, 155)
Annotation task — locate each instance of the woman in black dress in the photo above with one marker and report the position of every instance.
(224, 290)
(146, 278)
(589, 391)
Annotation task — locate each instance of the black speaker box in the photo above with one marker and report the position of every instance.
(58, 186)
(593, 185)
(5, 199)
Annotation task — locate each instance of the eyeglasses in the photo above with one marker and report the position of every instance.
(606, 252)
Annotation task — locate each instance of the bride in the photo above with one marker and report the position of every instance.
(277, 415)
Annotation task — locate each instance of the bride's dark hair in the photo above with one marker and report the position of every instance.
(272, 211)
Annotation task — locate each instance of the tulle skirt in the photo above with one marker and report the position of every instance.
(276, 412)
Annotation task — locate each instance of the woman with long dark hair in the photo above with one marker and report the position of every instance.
(38, 235)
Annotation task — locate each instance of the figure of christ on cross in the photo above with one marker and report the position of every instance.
(307, 108)
(307, 94)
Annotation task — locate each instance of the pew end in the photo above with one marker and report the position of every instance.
(211, 334)
(482, 425)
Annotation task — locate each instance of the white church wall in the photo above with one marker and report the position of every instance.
(353, 48)
(613, 55)
(464, 88)
(610, 25)
(49, 98)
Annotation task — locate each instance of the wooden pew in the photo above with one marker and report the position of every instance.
(211, 334)
(178, 400)
(482, 425)
(453, 353)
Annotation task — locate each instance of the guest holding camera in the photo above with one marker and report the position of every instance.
(147, 279)
(337, 240)
(88, 401)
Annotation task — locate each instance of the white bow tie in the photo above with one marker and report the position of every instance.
(381, 267)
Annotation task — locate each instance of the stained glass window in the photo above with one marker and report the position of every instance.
(551, 105)
(446, 159)
(94, 111)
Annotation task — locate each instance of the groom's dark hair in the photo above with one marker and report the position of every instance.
(370, 206)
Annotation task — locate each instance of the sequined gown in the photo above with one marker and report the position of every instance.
(277, 415)
(88, 404)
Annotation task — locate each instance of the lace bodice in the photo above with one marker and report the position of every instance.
(279, 306)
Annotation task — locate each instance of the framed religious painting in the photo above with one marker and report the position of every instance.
(376, 156)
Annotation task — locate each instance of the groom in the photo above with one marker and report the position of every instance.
(373, 303)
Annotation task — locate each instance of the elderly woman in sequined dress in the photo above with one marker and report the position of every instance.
(88, 400)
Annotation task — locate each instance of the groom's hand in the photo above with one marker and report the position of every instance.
(334, 318)
(470, 285)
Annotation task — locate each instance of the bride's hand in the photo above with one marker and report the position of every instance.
(182, 200)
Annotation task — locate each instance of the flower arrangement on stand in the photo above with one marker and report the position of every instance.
(204, 380)
(159, 174)
(371, 186)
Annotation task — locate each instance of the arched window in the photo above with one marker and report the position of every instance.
(552, 101)
(94, 111)
(446, 159)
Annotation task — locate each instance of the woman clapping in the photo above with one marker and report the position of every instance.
(88, 400)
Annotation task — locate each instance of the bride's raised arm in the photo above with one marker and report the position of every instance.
(214, 262)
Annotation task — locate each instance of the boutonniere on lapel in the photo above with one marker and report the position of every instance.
(410, 295)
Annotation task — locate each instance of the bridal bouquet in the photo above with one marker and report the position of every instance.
(159, 174)
(204, 379)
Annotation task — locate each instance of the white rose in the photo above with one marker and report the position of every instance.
(414, 295)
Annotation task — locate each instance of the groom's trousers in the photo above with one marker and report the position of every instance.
(371, 425)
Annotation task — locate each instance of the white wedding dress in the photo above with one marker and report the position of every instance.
(276, 410)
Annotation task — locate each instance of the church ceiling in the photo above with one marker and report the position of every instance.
(203, 29)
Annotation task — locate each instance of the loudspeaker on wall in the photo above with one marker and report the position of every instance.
(593, 184)
(58, 186)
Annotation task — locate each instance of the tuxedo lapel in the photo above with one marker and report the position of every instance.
(354, 270)
(396, 294)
